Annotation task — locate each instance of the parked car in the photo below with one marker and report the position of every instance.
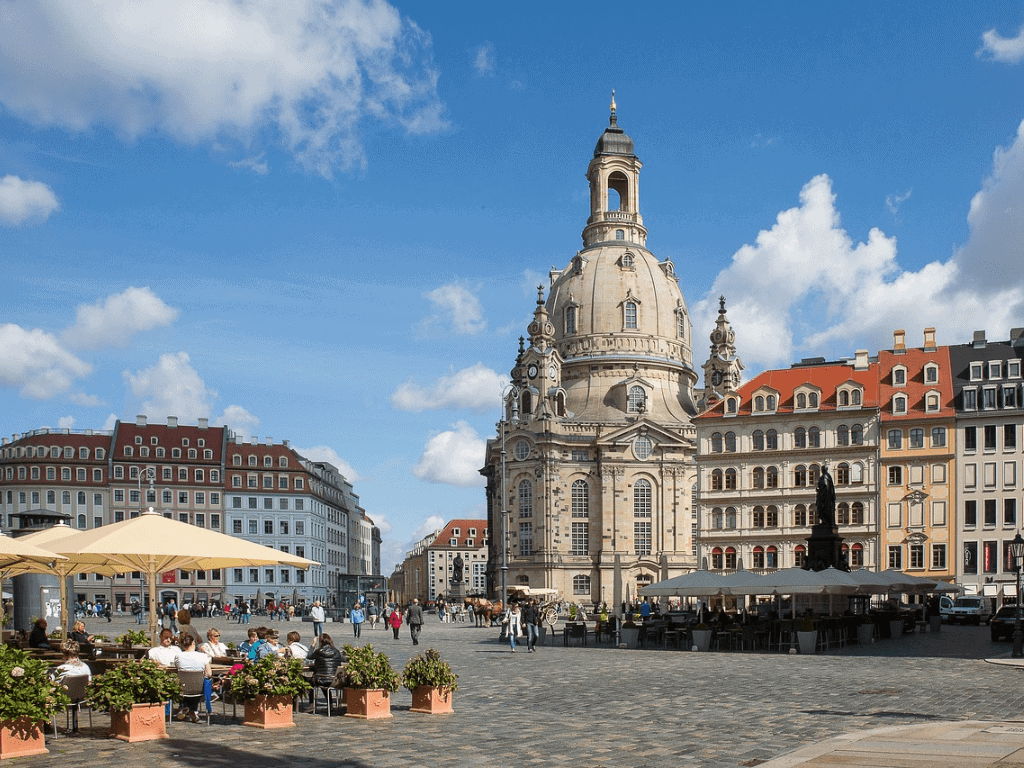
(1001, 625)
(969, 609)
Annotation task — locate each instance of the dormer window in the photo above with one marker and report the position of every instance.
(759, 403)
(899, 377)
(801, 400)
(570, 320)
(731, 405)
(1013, 369)
(629, 315)
(899, 404)
(977, 371)
(931, 402)
(138, 439)
(995, 369)
(931, 374)
(812, 399)
(769, 402)
(627, 261)
(637, 402)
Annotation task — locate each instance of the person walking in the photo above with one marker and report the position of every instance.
(414, 618)
(395, 620)
(531, 618)
(171, 612)
(514, 617)
(374, 614)
(357, 617)
(317, 614)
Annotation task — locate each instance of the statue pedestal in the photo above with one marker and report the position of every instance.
(825, 549)
(456, 592)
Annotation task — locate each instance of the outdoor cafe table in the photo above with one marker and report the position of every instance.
(120, 651)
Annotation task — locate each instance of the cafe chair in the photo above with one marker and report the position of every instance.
(75, 686)
(195, 687)
(326, 687)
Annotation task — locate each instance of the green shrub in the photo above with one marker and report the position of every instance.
(429, 669)
(137, 682)
(26, 689)
(365, 668)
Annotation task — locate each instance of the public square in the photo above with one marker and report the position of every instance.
(602, 706)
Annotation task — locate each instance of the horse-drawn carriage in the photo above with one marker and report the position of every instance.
(488, 612)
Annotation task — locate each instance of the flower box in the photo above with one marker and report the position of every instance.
(432, 700)
(143, 722)
(269, 712)
(367, 703)
(21, 737)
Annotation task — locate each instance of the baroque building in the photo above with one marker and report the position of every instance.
(592, 467)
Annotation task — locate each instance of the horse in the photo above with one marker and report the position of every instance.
(485, 612)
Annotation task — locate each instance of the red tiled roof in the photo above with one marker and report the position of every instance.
(444, 538)
(914, 360)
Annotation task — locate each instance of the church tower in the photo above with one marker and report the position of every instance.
(592, 470)
(723, 369)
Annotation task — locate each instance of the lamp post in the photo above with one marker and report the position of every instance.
(150, 473)
(1017, 550)
(509, 400)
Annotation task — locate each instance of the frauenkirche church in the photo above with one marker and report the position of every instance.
(593, 461)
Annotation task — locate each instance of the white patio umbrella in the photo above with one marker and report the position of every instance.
(871, 583)
(152, 543)
(744, 583)
(694, 584)
(19, 556)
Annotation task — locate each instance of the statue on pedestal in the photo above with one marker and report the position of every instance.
(825, 503)
(457, 568)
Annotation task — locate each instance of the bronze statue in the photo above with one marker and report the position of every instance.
(457, 568)
(825, 503)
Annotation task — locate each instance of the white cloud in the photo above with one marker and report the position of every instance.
(114, 320)
(302, 73)
(455, 309)
(430, 525)
(66, 422)
(453, 457)
(256, 164)
(35, 362)
(483, 60)
(24, 201)
(894, 201)
(531, 280)
(111, 421)
(477, 388)
(238, 419)
(328, 454)
(90, 401)
(172, 387)
(1009, 50)
(804, 285)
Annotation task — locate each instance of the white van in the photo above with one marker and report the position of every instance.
(967, 609)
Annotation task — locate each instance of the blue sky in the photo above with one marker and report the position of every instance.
(325, 221)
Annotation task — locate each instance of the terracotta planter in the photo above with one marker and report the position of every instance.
(432, 700)
(21, 737)
(143, 722)
(367, 704)
(808, 642)
(269, 712)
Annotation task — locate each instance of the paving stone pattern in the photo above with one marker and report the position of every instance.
(598, 707)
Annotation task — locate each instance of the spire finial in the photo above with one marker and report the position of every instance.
(540, 295)
(613, 120)
(721, 304)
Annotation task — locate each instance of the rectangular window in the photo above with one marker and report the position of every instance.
(236, 526)
(300, 528)
(970, 438)
(300, 551)
(236, 502)
(917, 438)
(283, 503)
(938, 557)
(895, 438)
(282, 482)
(268, 502)
(236, 574)
(253, 502)
(917, 556)
(183, 497)
(990, 474)
(214, 499)
(119, 495)
(990, 437)
(525, 539)
(1009, 474)
(938, 473)
(896, 558)
(268, 574)
(642, 538)
(995, 369)
(299, 503)
(939, 513)
(268, 527)
(894, 514)
(895, 475)
(183, 473)
(969, 399)
(977, 371)
(990, 513)
(1010, 397)
(1009, 436)
(200, 497)
(1013, 369)
(268, 482)
(917, 474)
(581, 538)
(1010, 513)
(970, 475)
(970, 513)
(254, 575)
(118, 515)
(133, 496)
(183, 517)
(970, 557)
(253, 530)
(200, 520)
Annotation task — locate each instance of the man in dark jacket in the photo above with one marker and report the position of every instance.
(414, 618)
(326, 660)
(531, 619)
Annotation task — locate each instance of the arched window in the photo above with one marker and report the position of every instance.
(730, 405)
(843, 513)
(799, 475)
(629, 315)
(812, 514)
(730, 558)
(814, 438)
(642, 498)
(730, 517)
(525, 498)
(842, 435)
(799, 555)
(800, 438)
(800, 515)
(620, 234)
(771, 440)
(637, 402)
(730, 479)
(758, 440)
(81, 521)
(759, 516)
(758, 557)
(844, 398)
(65, 497)
(770, 402)
(627, 260)
(771, 516)
(801, 400)
(581, 585)
(716, 558)
(716, 442)
(717, 518)
(857, 435)
(51, 497)
(758, 477)
(527, 402)
(759, 403)
(857, 513)
(81, 498)
(856, 557)
(570, 320)
(580, 499)
(730, 442)
(813, 473)
(771, 477)
(716, 480)
(843, 474)
(855, 397)
(812, 400)
(771, 557)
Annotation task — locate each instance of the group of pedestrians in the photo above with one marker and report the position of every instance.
(525, 620)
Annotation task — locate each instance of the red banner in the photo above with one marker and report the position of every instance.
(168, 577)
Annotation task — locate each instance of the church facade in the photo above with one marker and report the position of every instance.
(592, 473)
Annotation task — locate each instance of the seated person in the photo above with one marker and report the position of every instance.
(78, 633)
(191, 660)
(295, 649)
(165, 654)
(73, 666)
(213, 646)
(261, 640)
(37, 638)
(247, 645)
(326, 660)
(184, 619)
(271, 645)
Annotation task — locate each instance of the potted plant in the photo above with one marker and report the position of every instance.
(132, 637)
(702, 637)
(268, 687)
(369, 683)
(807, 636)
(629, 632)
(866, 630)
(27, 697)
(431, 681)
(136, 694)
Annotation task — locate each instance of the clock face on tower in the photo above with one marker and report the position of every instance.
(716, 378)
(532, 371)
(551, 372)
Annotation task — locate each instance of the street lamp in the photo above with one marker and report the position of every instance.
(150, 473)
(509, 399)
(1017, 550)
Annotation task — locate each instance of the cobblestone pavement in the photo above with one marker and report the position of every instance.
(599, 706)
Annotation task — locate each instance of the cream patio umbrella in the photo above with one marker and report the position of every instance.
(19, 556)
(152, 543)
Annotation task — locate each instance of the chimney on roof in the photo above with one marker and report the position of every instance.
(929, 340)
(979, 340)
(1017, 337)
(204, 423)
(239, 440)
(268, 440)
(140, 420)
(172, 421)
(286, 443)
(5, 441)
(899, 342)
(254, 440)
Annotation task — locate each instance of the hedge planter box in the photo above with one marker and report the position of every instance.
(808, 642)
(269, 712)
(21, 737)
(432, 700)
(367, 704)
(702, 639)
(143, 722)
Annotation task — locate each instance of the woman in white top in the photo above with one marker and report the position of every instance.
(515, 624)
(296, 649)
(191, 660)
(213, 646)
(72, 666)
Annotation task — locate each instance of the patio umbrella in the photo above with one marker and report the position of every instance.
(744, 583)
(694, 584)
(19, 556)
(258, 601)
(152, 543)
(617, 586)
(295, 596)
